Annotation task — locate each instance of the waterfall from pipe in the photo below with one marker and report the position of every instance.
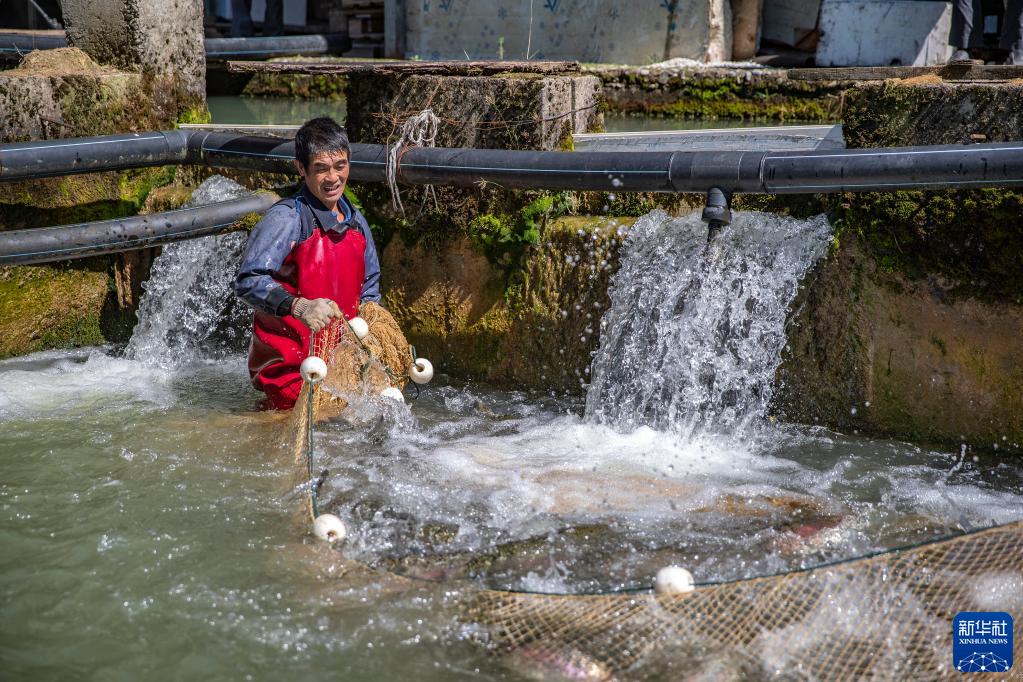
(695, 331)
(189, 311)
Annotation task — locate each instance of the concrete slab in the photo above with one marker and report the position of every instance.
(884, 33)
(161, 38)
(763, 139)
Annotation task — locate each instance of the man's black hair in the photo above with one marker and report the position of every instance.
(320, 135)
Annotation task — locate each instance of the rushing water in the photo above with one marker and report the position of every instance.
(150, 516)
(695, 332)
(189, 308)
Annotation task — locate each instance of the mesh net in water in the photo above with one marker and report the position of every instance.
(886, 616)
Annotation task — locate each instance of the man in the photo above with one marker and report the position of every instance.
(967, 30)
(310, 259)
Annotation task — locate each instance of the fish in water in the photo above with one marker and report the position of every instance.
(543, 661)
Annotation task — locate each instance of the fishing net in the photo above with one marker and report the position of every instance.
(356, 367)
(885, 616)
(888, 616)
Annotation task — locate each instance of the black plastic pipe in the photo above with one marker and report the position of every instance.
(47, 244)
(216, 48)
(277, 46)
(49, 158)
(840, 170)
(20, 43)
(980, 165)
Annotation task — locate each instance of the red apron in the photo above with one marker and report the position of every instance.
(328, 264)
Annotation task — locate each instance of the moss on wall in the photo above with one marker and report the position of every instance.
(969, 239)
(59, 306)
(712, 93)
(900, 113)
(874, 352)
(296, 86)
(532, 325)
(78, 198)
(506, 111)
(63, 93)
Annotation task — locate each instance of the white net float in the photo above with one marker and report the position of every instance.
(359, 327)
(329, 528)
(313, 369)
(421, 371)
(673, 580)
(392, 393)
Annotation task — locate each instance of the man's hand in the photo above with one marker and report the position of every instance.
(315, 314)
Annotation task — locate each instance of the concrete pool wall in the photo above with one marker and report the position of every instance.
(910, 328)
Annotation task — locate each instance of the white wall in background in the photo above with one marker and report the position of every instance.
(884, 33)
(610, 31)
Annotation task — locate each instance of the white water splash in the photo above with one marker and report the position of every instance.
(695, 332)
(188, 312)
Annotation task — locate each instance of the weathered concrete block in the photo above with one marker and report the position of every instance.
(884, 33)
(875, 352)
(163, 39)
(609, 31)
(911, 328)
(57, 306)
(537, 331)
(512, 111)
(716, 92)
(63, 93)
(927, 110)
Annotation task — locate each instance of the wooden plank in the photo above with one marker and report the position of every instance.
(965, 71)
(444, 68)
(763, 139)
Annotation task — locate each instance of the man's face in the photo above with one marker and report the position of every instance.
(325, 176)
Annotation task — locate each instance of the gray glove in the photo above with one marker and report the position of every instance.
(315, 314)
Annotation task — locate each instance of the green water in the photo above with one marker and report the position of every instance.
(151, 519)
(148, 525)
(230, 109)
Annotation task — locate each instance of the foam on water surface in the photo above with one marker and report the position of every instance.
(578, 506)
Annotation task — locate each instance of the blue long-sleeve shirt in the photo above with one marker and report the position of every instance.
(281, 229)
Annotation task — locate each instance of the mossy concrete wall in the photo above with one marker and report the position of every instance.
(928, 110)
(511, 111)
(532, 324)
(712, 93)
(873, 351)
(913, 326)
(75, 303)
(58, 306)
(292, 85)
(64, 93)
(910, 328)
(670, 92)
(57, 94)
